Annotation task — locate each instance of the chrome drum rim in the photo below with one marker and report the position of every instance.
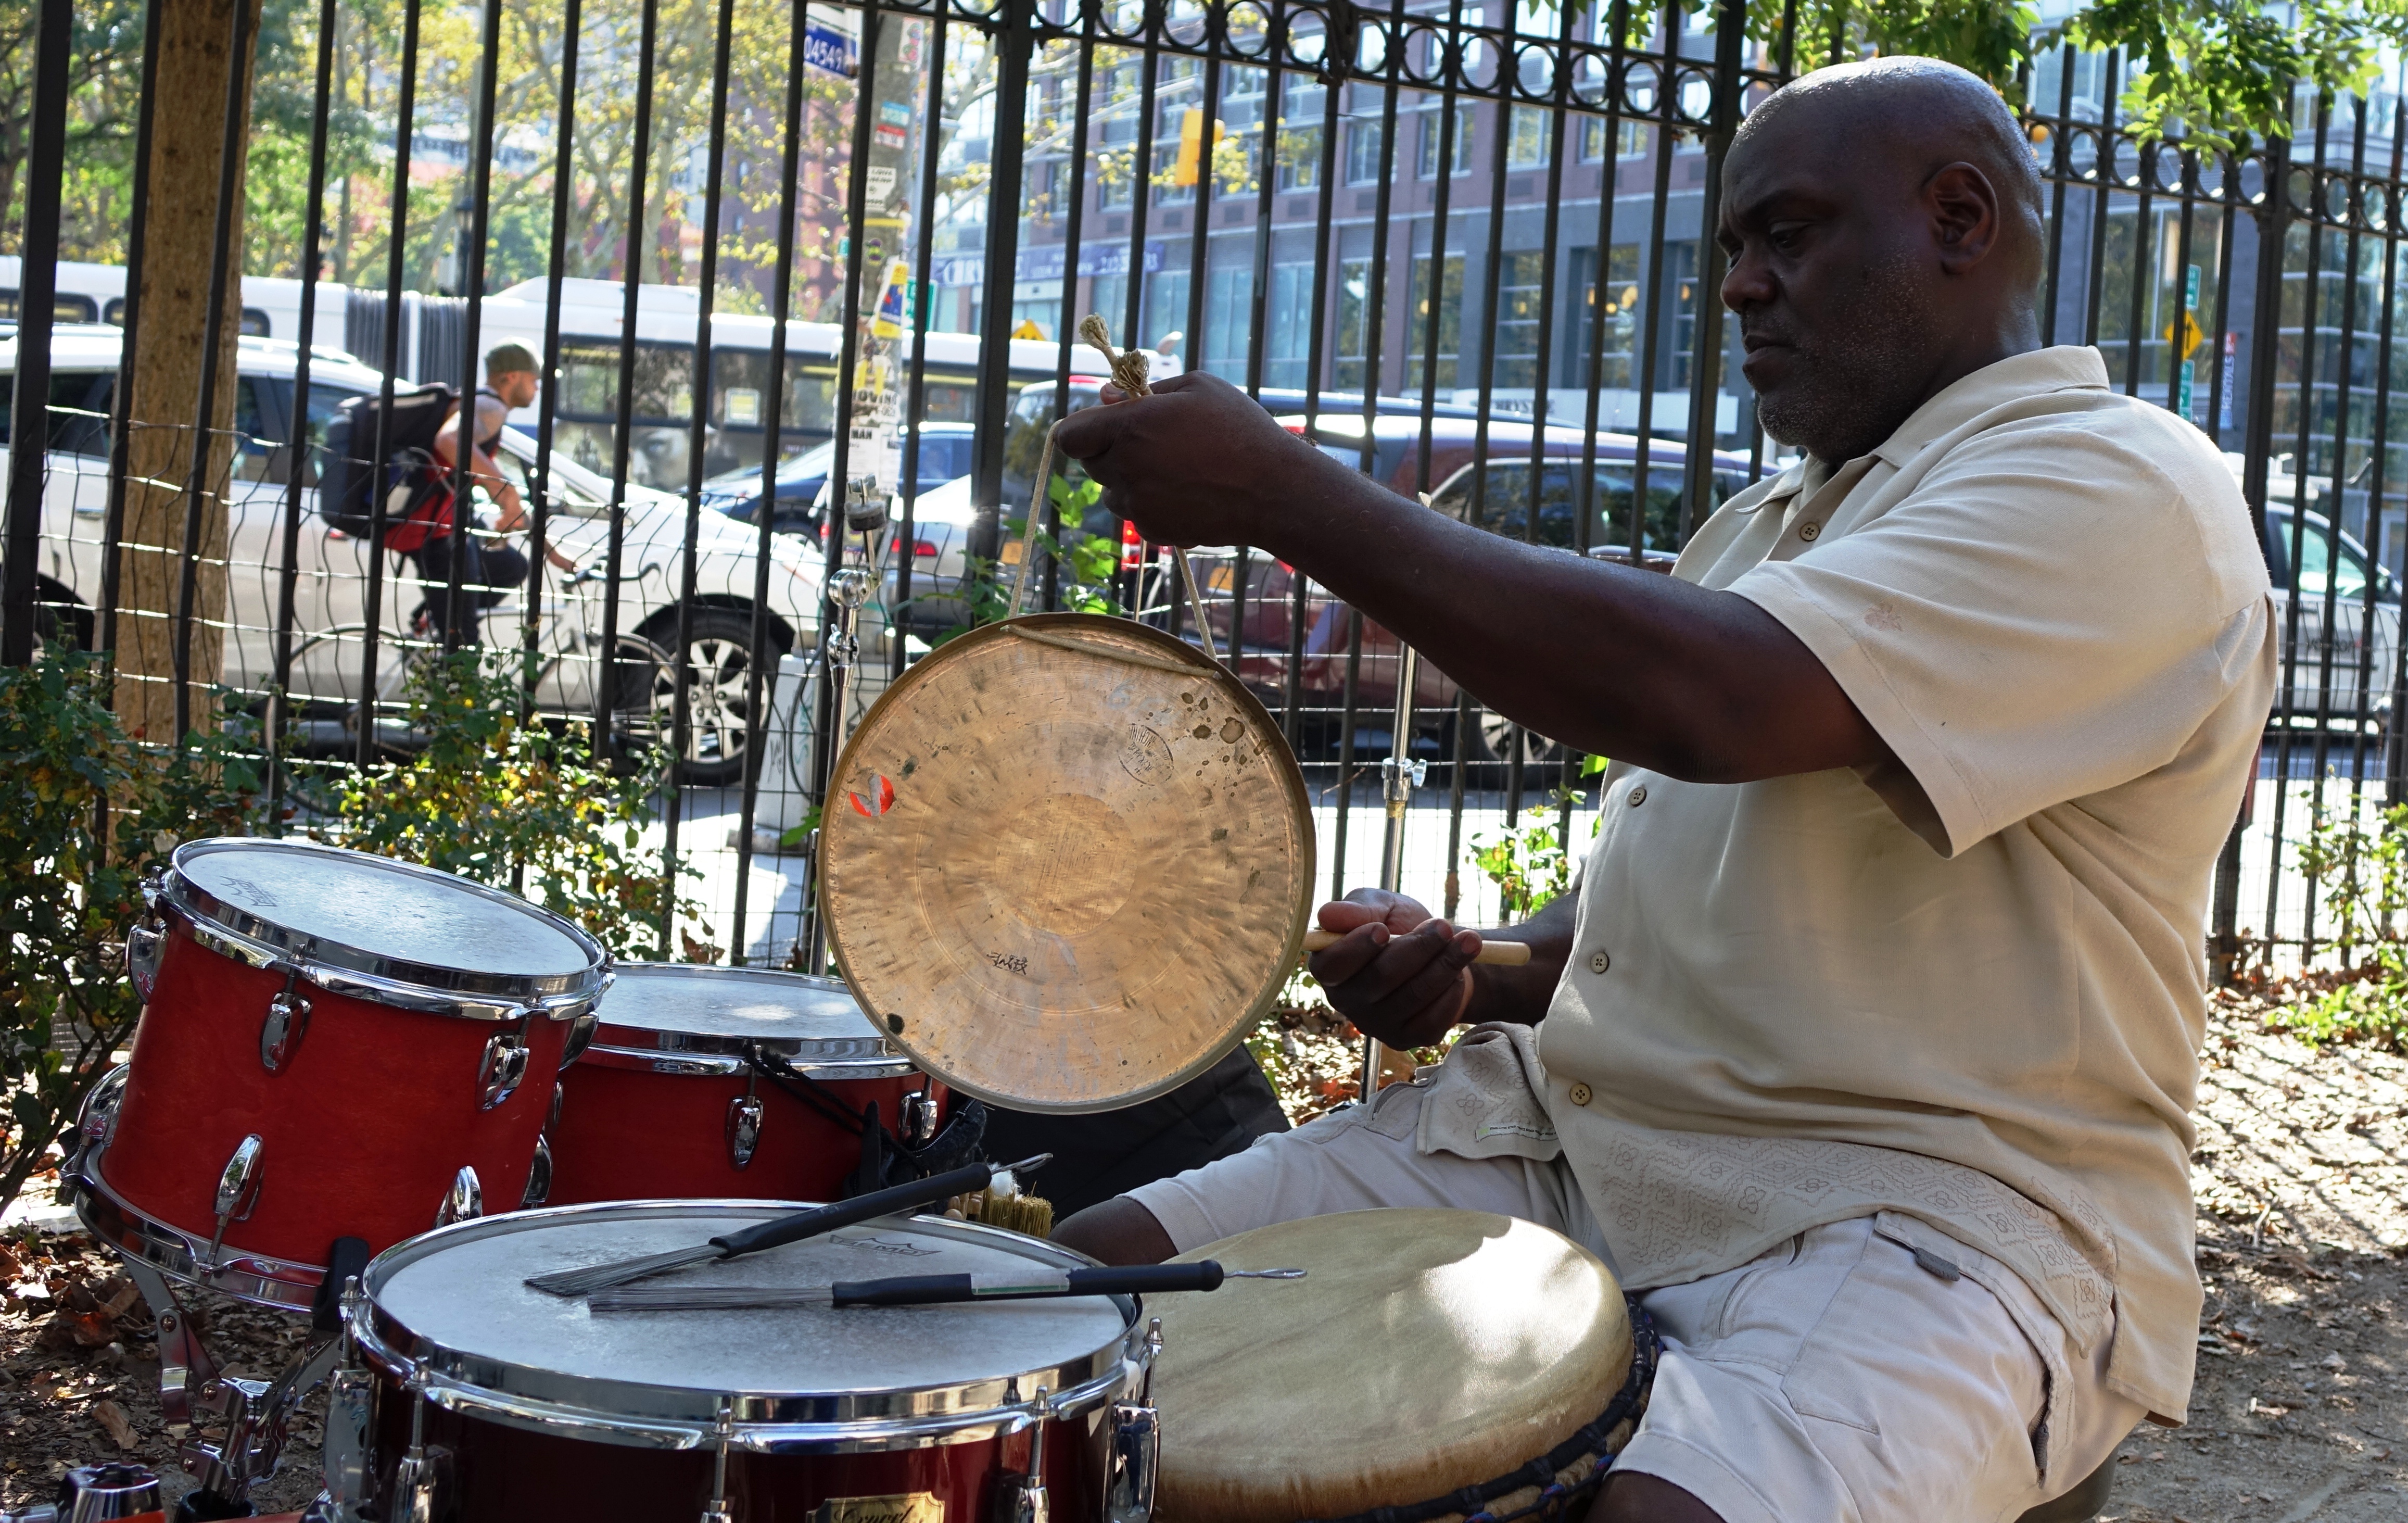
(645, 1415)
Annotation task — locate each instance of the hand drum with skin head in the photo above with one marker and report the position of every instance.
(1066, 863)
(1424, 1352)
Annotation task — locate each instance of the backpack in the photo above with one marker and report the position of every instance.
(348, 481)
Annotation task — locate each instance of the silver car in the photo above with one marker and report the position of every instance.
(330, 603)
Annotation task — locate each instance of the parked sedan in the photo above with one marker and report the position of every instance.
(2360, 635)
(1496, 498)
(330, 593)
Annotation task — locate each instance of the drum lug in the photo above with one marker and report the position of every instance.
(96, 1128)
(287, 1022)
(503, 1067)
(919, 1118)
(581, 1035)
(538, 1185)
(145, 947)
(744, 1114)
(237, 1190)
(464, 1199)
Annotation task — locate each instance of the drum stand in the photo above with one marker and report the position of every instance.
(1399, 775)
(249, 1419)
(867, 511)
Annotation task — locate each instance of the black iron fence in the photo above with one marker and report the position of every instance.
(778, 259)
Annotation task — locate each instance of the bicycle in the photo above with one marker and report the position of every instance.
(332, 662)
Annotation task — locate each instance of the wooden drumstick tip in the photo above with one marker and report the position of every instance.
(1494, 954)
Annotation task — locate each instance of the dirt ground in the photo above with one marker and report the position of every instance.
(2300, 1414)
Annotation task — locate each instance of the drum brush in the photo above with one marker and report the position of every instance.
(936, 1289)
(1494, 954)
(780, 1230)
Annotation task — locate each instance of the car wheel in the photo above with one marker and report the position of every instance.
(719, 724)
(1496, 737)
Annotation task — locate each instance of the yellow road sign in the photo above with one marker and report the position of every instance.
(2185, 334)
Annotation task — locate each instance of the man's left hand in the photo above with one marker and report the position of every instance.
(1197, 463)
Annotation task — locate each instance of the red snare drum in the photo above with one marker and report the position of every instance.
(332, 1045)
(667, 1103)
(470, 1398)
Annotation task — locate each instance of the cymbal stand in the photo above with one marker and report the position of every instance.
(1399, 775)
(867, 510)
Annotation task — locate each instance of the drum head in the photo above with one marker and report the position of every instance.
(1068, 863)
(1428, 1351)
(374, 914)
(690, 1007)
(453, 1300)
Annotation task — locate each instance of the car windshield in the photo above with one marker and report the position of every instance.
(2318, 573)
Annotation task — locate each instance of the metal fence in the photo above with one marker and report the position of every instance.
(762, 247)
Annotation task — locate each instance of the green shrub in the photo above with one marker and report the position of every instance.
(523, 806)
(73, 874)
(2363, 871)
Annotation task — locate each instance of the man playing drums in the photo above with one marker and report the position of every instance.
(1865, 1047)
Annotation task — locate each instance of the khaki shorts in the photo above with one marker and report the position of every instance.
(1839, 1378)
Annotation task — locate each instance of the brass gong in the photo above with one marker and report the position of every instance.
(1067, 862)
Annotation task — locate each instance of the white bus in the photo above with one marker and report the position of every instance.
(592, 314)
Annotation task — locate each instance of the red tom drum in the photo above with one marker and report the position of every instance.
(669, 1101)
(332, 1045)
(468, 1397)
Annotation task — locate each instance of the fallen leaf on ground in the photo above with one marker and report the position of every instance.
(121, 1428)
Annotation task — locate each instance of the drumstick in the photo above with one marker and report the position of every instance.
(1032, 1284)
(779, 1231)
(1494, 954)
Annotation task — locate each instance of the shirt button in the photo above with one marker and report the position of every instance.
(1579, 1094)
(1598, 962)
(1639, 796)
(1809, 530)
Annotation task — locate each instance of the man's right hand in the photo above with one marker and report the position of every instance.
(1399, 974)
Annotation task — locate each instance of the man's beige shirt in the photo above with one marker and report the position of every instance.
(1799, 1001)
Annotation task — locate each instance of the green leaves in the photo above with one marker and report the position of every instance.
(65, 901)
(522, 805)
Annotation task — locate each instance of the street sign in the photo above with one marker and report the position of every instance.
(2185, 334)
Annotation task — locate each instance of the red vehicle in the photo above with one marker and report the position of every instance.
(1497, 497)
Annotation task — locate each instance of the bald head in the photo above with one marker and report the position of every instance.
(1883, 222)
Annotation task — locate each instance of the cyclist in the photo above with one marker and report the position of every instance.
(489, 567)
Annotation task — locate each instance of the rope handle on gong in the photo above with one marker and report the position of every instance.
(1128, 371)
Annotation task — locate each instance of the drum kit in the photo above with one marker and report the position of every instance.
(1065, 866)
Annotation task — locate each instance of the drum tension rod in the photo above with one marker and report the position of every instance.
(724, 1433)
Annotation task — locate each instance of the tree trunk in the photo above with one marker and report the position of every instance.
(195, 41)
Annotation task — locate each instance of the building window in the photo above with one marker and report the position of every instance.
(1288, 320)
(1166, 310)
(1228, 323)
(1352, 331)
(1432, 129)
(1363, 151)
(1299, 158)
(1629, 140)
(1616, 305)
(1520, 293)
(1448, 316)
(1531, 133)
